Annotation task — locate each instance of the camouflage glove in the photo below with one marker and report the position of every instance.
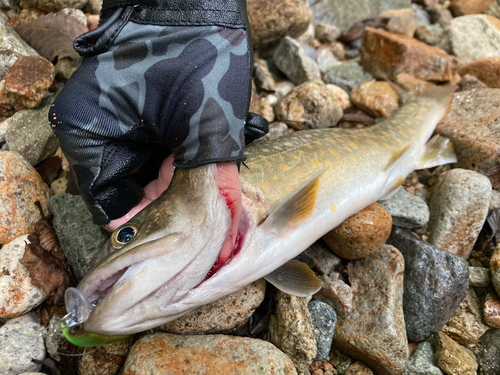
(157, 77)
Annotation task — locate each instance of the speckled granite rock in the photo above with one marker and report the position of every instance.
(324, 320)
(489, 357)
(422, 361)
(407, 210)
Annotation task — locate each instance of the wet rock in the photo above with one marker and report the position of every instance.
(385, 55)
(277, 129)
(163, 353)
(104, 360)
(262, 76)
(378, 99)
(19, 343)
(401, 21)
(469, 82)
(487, 70)
(489, 357)
(453, 358)
(341, 95)
(311, 105)
(20, 187)
(52, 5)
(232, 311)
(495, 268)
(319, 257)
(324, 319)
(466, 326)
(463, 7)
(326, 60)
(291, 330)
(479, 277)
(361, 234)
(271, 21)
(293, 61)
(326, 33)
(347, 76)
(79, 237)
(30, 133)
(458, 208)
(337, 294)
(407, 210)
(491, 311)
(422, 361)
(435, 282)
(377, 314)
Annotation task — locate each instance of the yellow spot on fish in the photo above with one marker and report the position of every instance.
(289, 190)
(399, 181)
(353, 160)
(298, 167)
(308, 146)
(339, 163)
(295, 157)
(315, 163)
(284, 167)
(268, 164)
(334, 152)
(411, 130)
(329, 163)
(319, 143)
(300, 151)
(352, 144)
(253, 165)
(384, 138)
(282, 157)
(384, 133)
(355, 137)
(322, 152)
(423, 109)
(419, 117)
(403, 133)
(330, 140)
(247, 175)
(408, 122)
(275, 177)
(333, 208)
(386, 145)
(263, 185)
(373, 142)
(399, 141)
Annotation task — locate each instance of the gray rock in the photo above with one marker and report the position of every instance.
(479, 277)
(326, 60)
(324, 320)
(347, 75)
(31, 317)
(54, 337)
(422, 361)
(30, 133)
(11, 46)
(292, 60)
(80, 238)
(495, 199)
(9, 5)
(19, 343)
(435, 282)
(407, 210)
(423, 18)
(489, 357)
(345, 13)
(277, 129)
(262, 76)
(326, 33)
(321, 259)
(458, 208)
(53, 5)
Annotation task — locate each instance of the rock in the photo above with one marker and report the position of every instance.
(276, 130)
(19, 343)
(25, 84)
(93, 7)
(463, 7)
(163, 353)
(341, 95)
(319, 257)
(401, 21)
(326, 33)
(407, 210)
(493, 10)
(345, 13)
(495, 200)
(377, 284)
(489, 357)
(487, 70)
(469, 82)
(324, 319)
(263, 108)
(440, 15)
(378, 99)
(479, 277)
(104, 360)
(458, 208)
(310, 105)
(9, 6)
(466, 326)
(79, 237)
(291, 330)
(54, 337)
(385, 55)
(283, 89)
(28, 317)
(473, 127)
(271, 21)
(423, 16)
(28, 15)
(20, 188)
(30, 133)
(361, 234)
(322, 367)
(337, 49)
(11, 46)
(337, 294)
(422, 361)
(453, 358)
(358, 368)
(491, 311)
(429, 34)
(472, 37)
(326, 60)
(92, 21)
(495, 268)
(292, 60)
(262, 76)
(232, 311)
(52, 5)
(347, 76)
(435, 282)
(59, 185)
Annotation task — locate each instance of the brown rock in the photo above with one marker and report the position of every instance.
(92, 21)
(321, 367)
(385, 55)
(401, 21)
(409, 83)
(338, 295)
(424, 34)
(378, 99)
(263, 108)
(361, 234)
(453, 358)
(326, 33)
(104, 360)
(20, 187)
(337, 49)
(341, 95)
(491, 312)
(473, 124)
(463, 7)
(28, 15)
(376, 333)
(495, 269)
(486, 70)
(232, 311)
(358, 368)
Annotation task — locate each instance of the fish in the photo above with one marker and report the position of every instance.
(162, 264)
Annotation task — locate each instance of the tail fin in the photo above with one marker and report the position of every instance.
(441, 94)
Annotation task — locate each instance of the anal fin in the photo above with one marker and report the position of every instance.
(438, 151)
(295, 278)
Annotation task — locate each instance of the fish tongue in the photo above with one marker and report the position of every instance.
(77, 305)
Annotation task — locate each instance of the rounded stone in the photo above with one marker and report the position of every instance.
(487, 70)
(53, 5)
(378, 99)
(491, 312)
(361, 234)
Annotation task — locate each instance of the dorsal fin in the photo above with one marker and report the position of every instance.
(397, 156)
(438, 151)
(295, 278)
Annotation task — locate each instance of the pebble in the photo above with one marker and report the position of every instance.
(337, 49)
(263, 108)
(491, 310)
(495, 268)
(347, 76)
(19, 343)
(28, 15)
(435, 282)
(326, 60)
(407, 210)
(463, 7)
(378, 99)
(283, 89)
(487, 70)
(361, 234)
(276, 130)
(163, 353)
(324, 320)
(429, 34)
(326, 33)
(262, 76)
(489, 357)
(458, 208)
(385, 55)
(377, 314)
(104, 360)
(93, 7)
(223, 315)
(319, 257)
(293, 61)
(479, 277)
(453, 358)
(358, 368)
(322, 368)
(401, 21)
(52, 5)
(337, 294)
(310, 105)
(423, 17)
(495, 200)
(469, 82)
(422, 361)
(291, 330)
(341, 95)
(79, 237)
(54, 337)
(20, 187)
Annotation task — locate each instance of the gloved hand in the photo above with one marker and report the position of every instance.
(158, 77)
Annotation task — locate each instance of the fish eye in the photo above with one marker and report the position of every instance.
(125, 235)
(76, 329)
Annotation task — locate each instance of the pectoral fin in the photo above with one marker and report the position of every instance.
(295, 278)
(398, 155)
(438, 151)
